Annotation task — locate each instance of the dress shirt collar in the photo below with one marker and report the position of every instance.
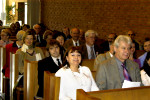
(74, 43)
(55, 59)
(111, 55)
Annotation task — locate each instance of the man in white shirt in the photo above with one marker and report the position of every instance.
(102, 57)
(74, 41)
(51, 63)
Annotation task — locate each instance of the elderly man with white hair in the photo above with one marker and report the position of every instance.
(13, 47)
(90, 50)
(116, 71)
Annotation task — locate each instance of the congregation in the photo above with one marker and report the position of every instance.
(116, 58)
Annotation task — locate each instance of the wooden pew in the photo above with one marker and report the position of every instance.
(82, 95)
(13, 72)
(89, 63)
(2, 63)
(137, 93)
(30, 79)
(51, 86)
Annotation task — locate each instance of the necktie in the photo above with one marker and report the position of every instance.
(92, 53)
(76, 44)
(58, 62)
(125, 73)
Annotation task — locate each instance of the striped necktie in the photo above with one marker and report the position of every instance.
(125, 73)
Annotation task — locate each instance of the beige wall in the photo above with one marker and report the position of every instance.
(104, 16)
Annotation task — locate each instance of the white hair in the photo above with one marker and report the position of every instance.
(20, 35)
(124, 38)
(90, 31)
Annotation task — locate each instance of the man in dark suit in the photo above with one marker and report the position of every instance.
(105, 45)
(89, 49)
(39, 35)
(51, 63)
(74, 41)
(112, 72)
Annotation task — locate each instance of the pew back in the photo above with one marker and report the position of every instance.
(51, 86)
(30, 79)
(2, 63)
(137, 93)
(89, 63)
(13, 72)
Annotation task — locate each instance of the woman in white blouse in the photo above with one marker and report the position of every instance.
(73, 76)
(145, 72)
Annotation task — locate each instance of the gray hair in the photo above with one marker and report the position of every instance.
(123, 38)
(36, 25)
(90, 31)
(20, 35)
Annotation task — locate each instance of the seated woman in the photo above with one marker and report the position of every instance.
(5, 35)
(132, 55)
(73, 76)
(13, 47)
(28, 50)
(145, 72)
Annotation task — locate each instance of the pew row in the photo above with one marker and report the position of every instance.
(13, 73)
(88, 63)
(136, 93)
(51, 86)
(2, 63)
(30, 79)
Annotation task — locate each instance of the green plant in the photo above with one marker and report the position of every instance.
(9, 16)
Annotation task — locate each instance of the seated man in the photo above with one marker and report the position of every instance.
(89, 49)
(102, 57)
(112, 72)
(51, 63)
(74, 41)
(111, 37)
(147, 49)
(132, 35)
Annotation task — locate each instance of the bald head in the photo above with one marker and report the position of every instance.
(37, 28)
(75, 33)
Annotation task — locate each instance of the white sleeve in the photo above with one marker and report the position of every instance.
(93, 86)
(144, 78)
(62, 92)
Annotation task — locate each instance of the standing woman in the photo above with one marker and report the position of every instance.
(73, 76)
(28, 50)
(145, 72)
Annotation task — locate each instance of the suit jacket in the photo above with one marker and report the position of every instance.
(84, 51)
(108, 76)
(100, 58)
(46, 64)
(69, 43)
